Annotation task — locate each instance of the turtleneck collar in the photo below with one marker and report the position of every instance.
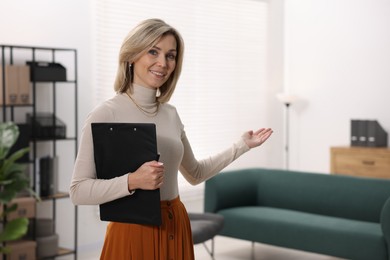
(145, 97)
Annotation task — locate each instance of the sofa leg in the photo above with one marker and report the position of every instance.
(210, 251)
(212, 248)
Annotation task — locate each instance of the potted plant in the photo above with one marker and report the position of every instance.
(13, 180)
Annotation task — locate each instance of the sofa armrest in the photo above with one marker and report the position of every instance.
(385, 222)
(231, 189)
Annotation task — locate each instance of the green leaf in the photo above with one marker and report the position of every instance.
(10, 165)
(33, 194)
(10, 190)
(9, 133)
(14, 229)
(10, 208)
(6, 197)
(18, 154)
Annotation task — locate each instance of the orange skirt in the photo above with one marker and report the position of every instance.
(170, 241)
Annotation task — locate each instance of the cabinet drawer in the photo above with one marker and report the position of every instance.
(368, 162)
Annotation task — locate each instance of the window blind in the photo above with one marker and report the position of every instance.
(221, 90)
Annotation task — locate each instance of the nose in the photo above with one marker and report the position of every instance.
(162, 62)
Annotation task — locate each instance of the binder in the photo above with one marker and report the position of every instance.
(376, 135)
(362, 133)
(48, 176)
(355, 132)
(120, 148)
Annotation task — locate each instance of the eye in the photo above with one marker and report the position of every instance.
(171, 56)
(153, 52)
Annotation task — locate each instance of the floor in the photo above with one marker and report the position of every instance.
(235, 249)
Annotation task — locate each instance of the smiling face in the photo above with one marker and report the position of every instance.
(155, 67)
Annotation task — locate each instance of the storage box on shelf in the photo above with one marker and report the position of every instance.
(16, 85)
(22, 249)
(47, 71)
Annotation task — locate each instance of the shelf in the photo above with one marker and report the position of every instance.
(61, 252)
(65, 251)
(36, 48)
(55, 81)
(53, 139)
(46, 97)
(59, 195)
(17, 105)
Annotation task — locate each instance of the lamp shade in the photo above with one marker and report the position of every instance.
(286, 98)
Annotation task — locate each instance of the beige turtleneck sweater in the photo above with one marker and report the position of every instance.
(172, 144)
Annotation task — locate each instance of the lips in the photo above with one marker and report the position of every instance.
(158, 74)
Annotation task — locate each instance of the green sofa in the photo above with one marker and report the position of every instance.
(342, 216)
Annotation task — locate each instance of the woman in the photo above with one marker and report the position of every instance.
(150, 62)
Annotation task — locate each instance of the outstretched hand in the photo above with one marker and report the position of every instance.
(254, 139)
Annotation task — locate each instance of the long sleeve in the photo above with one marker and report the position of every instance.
(85, 189)
(195, 171)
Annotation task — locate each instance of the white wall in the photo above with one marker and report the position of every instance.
(337, 61)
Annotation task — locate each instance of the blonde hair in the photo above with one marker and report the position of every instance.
(139, 40)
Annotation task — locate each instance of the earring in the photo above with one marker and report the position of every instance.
(158, 92)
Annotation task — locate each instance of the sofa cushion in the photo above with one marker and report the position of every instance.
(306, 231)
(332, 195)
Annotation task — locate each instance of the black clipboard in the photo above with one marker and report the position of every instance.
(120, 148)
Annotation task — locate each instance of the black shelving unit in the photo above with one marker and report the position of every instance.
(20, 55)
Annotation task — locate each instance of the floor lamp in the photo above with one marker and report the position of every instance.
(287, 100)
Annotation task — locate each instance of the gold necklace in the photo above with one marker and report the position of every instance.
(143, 110)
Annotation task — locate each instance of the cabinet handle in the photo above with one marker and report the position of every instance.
(365, 162)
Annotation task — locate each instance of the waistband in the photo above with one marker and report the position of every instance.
(169, 203)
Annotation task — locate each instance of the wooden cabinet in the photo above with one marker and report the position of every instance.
(360, 161)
